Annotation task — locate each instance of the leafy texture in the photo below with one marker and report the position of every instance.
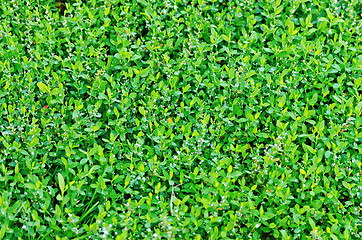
(208, 119)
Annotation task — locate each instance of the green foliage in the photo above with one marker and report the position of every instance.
(208, 119)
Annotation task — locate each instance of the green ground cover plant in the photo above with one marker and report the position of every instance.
(175, 119)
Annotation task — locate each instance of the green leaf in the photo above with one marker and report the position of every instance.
(314, 99)
(34, 142)
(134, 57)
(61, 183)
(231, 73)
(235, 174)
(142, 111)
(123, 236)
(250, 74)
(312, 223)
(291, 28)
(43, 87)
(267, 216)
(328, 154)
(241, 148)
(144, 72)
(225, 38)
(340, 147)
(310, 149)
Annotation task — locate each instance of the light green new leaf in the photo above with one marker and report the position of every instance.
(61, 183)
(43, 87)
(34, 142)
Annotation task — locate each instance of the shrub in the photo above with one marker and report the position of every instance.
(180, 119)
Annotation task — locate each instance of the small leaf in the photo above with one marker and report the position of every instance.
(291, 28)
(34, 142)
(225, 38)
(134, 57)
(43, 87)
(61, 183)
(123, 236)
(144, 72)
(250, 74)
(328, 154)
(142, 111)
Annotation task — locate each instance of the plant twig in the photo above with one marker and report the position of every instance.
(172, 194)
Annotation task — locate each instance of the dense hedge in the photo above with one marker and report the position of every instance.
(205, 119)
